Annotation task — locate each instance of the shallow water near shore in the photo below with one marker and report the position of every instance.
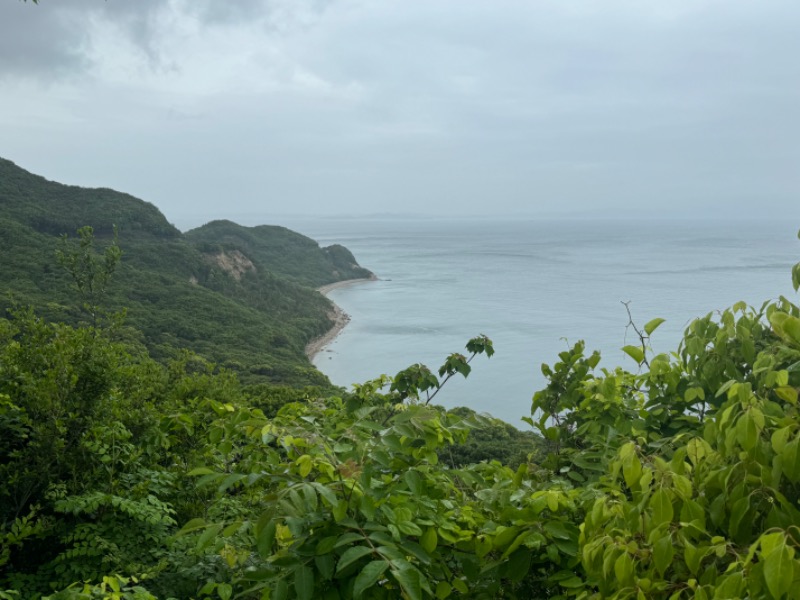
(535, 288)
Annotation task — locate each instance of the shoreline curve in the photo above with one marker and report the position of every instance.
(338, 316)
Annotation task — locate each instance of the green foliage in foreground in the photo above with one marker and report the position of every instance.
(126, 479)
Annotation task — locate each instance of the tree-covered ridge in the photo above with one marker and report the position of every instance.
(279, 250)
(53, 208)
(256, 322)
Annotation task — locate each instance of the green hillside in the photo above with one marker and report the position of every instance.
(279, 250)
(240, 297)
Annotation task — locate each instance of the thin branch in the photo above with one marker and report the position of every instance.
(643, 337)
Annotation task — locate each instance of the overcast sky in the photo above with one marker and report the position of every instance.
(233, 108)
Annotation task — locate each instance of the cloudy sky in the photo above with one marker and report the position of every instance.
(229, 108)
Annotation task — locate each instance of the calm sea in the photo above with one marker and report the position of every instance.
(535, 288)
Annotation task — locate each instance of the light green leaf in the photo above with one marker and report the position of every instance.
(791, 460)
(779, 570)
(661, 505)
(780, 437)
(791, 327)
(483, 545)
(224, 591)
(192, 525)
(623, 569)
(200, 471)
(635, 352)
(304, 464)
(632, 471)
(787, 394)
(652, 325)
(747, 430)
(693, 556)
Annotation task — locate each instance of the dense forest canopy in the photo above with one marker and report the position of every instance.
(134, 469)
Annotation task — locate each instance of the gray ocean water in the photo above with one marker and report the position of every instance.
(535, 288)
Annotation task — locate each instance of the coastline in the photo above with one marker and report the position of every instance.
(339, 317)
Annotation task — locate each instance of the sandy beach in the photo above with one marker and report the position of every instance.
(338, 316)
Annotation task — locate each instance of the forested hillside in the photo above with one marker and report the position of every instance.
(280, 250)
(241, 297)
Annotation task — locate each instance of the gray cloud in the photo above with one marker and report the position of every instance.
(352, 106)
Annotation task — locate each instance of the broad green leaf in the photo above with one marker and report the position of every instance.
(304, 582)
(505, 535)
(265, 539)
(779, 570)
(409, 528)
(771, 541)
(429, 540)
(518, 564)
(623, 569)
(325, 492)
(739, 522)
(557, 529)
(661, 506)
(351, 555)
(414, 482)
(281, 590)
(483, 545)
(409, 580)
(224, 591)
(780, 437)
(200, 471)
(326, 545)
(325, 566)
(632, 471)
(729, 585)
(791, 327)
(652, 325)
(232, 528)
(192, 525)
(635, 352)
(443, 590)
(747, 430)
(663, 552)
(347, 538)
(207, 536)
(304, 464)
(697, 449)
(693, 556)
(796, 277)
(369, 576)
(791, 459)
(787, 393)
